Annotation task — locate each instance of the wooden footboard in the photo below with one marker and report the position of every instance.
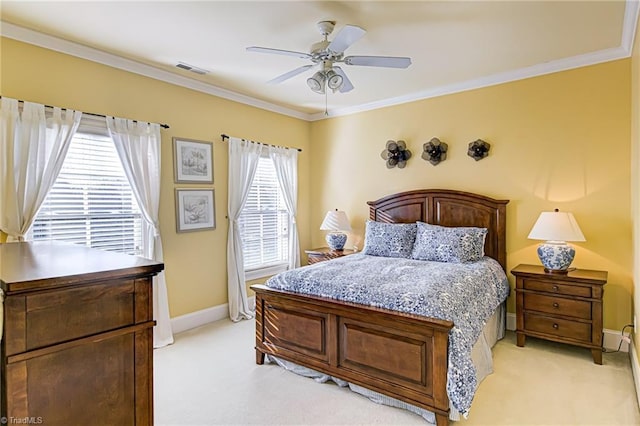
(400, 355)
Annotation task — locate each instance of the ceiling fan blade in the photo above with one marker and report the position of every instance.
(348, 35)
(288, 75)
(346, 83)
(378, 61)
(258, 49)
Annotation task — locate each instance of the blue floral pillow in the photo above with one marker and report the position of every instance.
(389, 239)
(448, 244)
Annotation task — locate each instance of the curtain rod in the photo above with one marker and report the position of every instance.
(164, 126)
(223, 136)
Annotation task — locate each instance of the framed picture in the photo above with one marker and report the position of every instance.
(192, 161)
(195, 210)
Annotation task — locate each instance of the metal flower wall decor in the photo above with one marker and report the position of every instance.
(478, 149)
(434, 151)
(396, 154)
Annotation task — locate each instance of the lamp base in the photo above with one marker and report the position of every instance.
(336, 240)
(559, 271)
(556, 257)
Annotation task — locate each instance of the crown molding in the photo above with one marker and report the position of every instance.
(84, 52)
(630, 22)
(491, 80)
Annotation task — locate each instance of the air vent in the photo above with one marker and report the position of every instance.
(191, 68)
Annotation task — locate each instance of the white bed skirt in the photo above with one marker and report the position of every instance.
(481, 357)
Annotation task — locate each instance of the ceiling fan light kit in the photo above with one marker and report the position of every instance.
(334, 80)
(326, 54)
(316, 82)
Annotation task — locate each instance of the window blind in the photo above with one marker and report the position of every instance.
(264, 221)
(91, 202)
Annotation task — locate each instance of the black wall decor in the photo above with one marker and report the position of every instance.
(434, 151)
(396, 154)
(478, 149)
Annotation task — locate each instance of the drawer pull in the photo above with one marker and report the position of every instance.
(556, 305)
(556, 326)
(556, 288)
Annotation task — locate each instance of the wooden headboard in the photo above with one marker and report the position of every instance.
(448, 208)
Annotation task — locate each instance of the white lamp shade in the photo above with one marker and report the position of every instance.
(556, 226)
(335, 220)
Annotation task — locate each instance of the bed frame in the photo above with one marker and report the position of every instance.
(400, 355)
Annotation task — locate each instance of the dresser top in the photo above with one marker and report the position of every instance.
(28, 266)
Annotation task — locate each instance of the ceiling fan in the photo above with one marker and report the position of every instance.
(325, 54)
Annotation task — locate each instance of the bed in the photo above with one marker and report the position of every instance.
(338, 337)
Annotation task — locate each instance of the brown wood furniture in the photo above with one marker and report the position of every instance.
(564, 308)
(325, 253)
(400, 355)
(77, 344)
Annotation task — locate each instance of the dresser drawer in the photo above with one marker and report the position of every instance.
(38, 320)
(557, 327)
(552, 287)
(557, 305)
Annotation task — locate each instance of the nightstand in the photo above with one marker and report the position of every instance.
(325, 253)
(564, 308)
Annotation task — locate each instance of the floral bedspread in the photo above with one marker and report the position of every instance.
(465, 293)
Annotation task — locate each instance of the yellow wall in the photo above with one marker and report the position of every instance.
(635, 179)
(196, 261)
(557, 141)
(561, 140)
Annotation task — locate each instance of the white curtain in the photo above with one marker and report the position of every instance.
(138, 145)
(32, 151)
(243, 162)
(285, 161)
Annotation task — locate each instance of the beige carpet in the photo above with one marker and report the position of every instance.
(209, 377)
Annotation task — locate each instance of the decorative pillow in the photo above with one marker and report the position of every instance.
(448, 244)
(389, 239)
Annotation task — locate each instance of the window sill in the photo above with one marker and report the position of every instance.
(267, 271)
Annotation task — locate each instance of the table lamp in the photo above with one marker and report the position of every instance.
(336, 221)
(556, 228)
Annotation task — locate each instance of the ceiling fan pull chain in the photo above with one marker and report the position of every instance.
(326, 111)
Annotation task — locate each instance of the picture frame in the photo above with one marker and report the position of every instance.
(192, 161)
(195, 210)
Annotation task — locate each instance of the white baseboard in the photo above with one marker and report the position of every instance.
(198, 318)
(635, 368)
(511, 321)
(204, 316)
(610, 338)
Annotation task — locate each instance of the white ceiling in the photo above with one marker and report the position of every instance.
(454, 45)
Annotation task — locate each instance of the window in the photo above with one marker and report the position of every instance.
(91, 202)
(264, 225)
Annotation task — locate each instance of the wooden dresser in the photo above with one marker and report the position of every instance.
(78, 325)
(561, 307)
(325, 253)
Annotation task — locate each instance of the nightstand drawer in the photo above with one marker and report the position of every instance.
(557, 327)
(557, 305)
(551, 287)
